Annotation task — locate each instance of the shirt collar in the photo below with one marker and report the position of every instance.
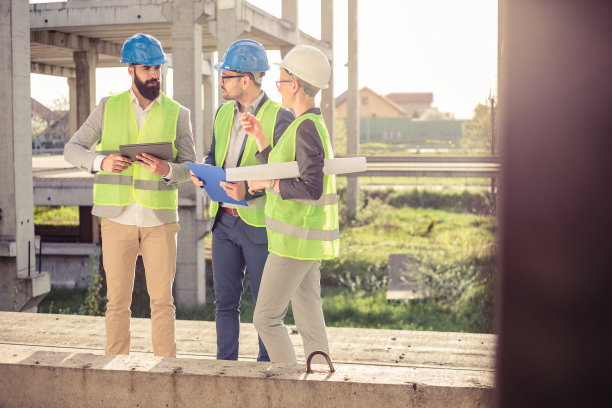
(134, 98)
(253, 106)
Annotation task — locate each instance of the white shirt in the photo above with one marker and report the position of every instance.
(136, 214)
(237, 138)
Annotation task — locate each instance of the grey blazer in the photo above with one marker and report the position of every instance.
(80, 151)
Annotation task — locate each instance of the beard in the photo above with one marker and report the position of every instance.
(149, 89)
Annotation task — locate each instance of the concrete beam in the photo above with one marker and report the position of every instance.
(77, 13)
(75, 191)
(58, 191)
(55, 70)
(75, 42)
(281, 30)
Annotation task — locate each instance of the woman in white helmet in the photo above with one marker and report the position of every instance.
(301, 214)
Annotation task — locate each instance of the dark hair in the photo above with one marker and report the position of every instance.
(255, 80)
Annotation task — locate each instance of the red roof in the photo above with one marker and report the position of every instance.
(405, 98)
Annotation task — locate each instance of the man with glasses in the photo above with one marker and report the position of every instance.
(239, 237)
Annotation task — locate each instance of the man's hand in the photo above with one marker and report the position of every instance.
(257, 185)
(237, 191)
(154, 164)
(252, 127)
(115, 163)
(195, 180)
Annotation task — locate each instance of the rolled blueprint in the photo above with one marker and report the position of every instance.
(285, 170)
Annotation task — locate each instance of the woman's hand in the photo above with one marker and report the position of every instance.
(257, 185)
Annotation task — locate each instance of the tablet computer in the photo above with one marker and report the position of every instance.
(162, 150)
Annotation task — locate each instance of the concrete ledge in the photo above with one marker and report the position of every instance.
(69, 264)
(34, 377)
(57, 360)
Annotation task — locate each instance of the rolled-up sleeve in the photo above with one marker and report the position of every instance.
(310, 158)
(185, 149)
(79, 149)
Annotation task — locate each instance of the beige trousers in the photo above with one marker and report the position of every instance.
(120, 247)
(290, 280)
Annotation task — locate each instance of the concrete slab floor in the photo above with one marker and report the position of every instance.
(459, 363)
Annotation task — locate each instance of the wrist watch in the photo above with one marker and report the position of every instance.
(271, 186)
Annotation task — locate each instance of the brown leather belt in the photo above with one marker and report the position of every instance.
(232, 211)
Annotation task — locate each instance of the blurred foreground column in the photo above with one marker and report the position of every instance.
(556, 204)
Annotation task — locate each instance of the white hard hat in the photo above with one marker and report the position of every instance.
(309, 64)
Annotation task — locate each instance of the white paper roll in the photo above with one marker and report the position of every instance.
(285, 170)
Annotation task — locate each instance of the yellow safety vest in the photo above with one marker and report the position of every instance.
(303, 229)
(136, 183)
(254, 213)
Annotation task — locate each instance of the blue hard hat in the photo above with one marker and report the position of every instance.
(244, 56)
(143, 49)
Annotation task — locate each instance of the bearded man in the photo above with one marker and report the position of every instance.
(137, 203)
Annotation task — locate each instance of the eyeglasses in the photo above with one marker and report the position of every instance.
(280, 82)
(224, 77)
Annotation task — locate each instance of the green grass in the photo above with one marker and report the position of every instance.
(62, 301)
(452, 233)
(53, 215)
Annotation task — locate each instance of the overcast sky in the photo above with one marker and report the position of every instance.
(448, 47)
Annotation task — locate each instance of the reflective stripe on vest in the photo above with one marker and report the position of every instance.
(136, 183)
(303, 229)
(253, 214)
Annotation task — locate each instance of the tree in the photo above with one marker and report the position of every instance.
(477, 132)
(39, 125)
(60, 104)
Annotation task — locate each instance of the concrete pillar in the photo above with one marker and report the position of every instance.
(352, 148)
(187, 90)
(72, 102)
(210, 105)
(553, 293)
(226, 29)
(290, 12)
(85, 62)
(21, 288)
(328, 108)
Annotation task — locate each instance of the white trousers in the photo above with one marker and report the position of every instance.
(290, 280)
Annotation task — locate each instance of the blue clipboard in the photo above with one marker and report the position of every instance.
(211, 176)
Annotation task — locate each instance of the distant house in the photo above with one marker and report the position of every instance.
(414, 104)
(50, 127)
(371, 105)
